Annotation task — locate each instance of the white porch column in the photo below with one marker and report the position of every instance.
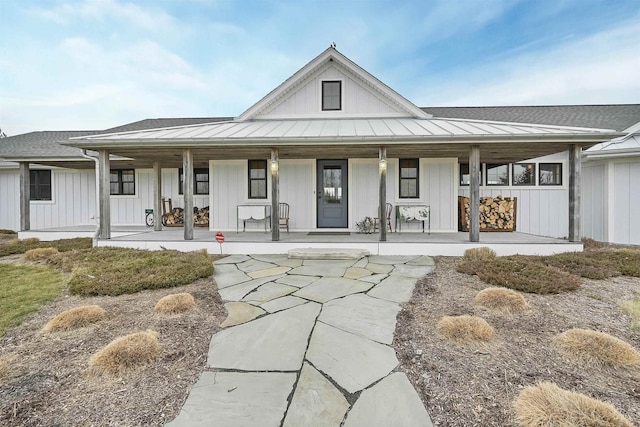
(187, 189)
(157, 196)
(575, 171)
(104, 186)
(474, 194)
(382, 195)
(275, 195)
(25, 197)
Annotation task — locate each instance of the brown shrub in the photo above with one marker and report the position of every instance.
(501, 301)
(546, 404)
(40, 254)
(175, 304)
(597, 348)
(30, 241)
(465, 329)
(483, 253)
(126, 353)
(75, 318)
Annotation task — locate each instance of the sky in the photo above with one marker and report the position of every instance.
(95, 64)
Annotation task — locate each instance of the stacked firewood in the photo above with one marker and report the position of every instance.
(496, 213)
(174, 217)
(201, 217)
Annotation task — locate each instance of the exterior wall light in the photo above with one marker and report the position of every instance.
(274, 167)
(382, 164)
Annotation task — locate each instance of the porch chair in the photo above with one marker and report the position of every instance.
(284, 216)
(376, 219)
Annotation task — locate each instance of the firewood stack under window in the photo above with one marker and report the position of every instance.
(496, 213)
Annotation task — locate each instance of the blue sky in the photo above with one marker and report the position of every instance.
(93, 64)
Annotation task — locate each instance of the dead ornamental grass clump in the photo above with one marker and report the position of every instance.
(126, 353)
(502, 301)
(483, 253)
(546, 404)
(75, 318)
(597, 348)
(40, 254)
(175, 304)
(465, 329)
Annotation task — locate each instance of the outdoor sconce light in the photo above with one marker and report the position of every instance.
(274, 167)
(382, 164)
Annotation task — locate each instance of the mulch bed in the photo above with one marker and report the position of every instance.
(475, 385)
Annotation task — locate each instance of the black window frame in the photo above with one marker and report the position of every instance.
(401, 179)
(120, 182)
(523, 184)
(325, 82)
(463, 184)
(196, 172)
(493, 165)
(40, 188)
(263, 166)
(540, 166)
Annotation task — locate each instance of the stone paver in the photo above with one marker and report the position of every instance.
(353, 362)
(356, 273)
(240, 312)
(276, 342)
(269, 291)
(415, 271)
(319, 270)
(297, 281)
(283, 303)
(274, 271)
(328, 288)
(394, 288)
(237, 399)
(391, 402)
(316, 402)
(362, 315)
(306, 331)
(237, 292)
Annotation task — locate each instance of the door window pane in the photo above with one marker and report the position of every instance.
(524, 174)
(332, 184)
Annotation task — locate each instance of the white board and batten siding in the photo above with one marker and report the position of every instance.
(611, 200)
(9, 199)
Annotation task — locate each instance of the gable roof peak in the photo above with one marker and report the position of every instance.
(331, 54)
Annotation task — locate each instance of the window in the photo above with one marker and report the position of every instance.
(524, 174)
(464, 174)
(408, 178)
(550, 174)
(200, 180)
(257, 179)
(497, 175)
(331, 95)
(123, 182)
(40, 183)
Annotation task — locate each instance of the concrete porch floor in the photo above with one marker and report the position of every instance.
(254, 242)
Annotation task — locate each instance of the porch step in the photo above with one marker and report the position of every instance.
(328, 253)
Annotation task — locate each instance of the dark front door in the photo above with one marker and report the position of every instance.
(332, 194)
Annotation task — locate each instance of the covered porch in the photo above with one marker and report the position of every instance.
(435, 244)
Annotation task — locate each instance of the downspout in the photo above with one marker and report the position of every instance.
(96, 160)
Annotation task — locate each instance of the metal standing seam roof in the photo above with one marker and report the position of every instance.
(339, 129)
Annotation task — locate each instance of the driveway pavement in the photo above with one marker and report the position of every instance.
(308, 342)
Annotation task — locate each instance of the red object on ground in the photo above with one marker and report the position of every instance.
(219, 237)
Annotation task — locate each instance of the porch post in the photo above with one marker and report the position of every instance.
(187, 189)
(157, 196)
(275, 195)
(25, 197)
(382, 195)
(474, 194)
(104, 186)
(575, 170)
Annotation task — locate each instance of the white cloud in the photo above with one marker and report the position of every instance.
(602, 68)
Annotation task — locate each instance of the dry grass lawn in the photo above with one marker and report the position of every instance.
(126, 353)
(502, 301)
(597, 348)
(4, 369)
(546, 404)
(75, 318)
(465, 329)
(175, 304)
(632, 307)
(40, 254)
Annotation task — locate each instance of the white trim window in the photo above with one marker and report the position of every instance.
(331, 95)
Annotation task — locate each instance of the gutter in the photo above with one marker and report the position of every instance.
(96, 160)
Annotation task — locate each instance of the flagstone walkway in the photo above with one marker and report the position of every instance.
(308, 343)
